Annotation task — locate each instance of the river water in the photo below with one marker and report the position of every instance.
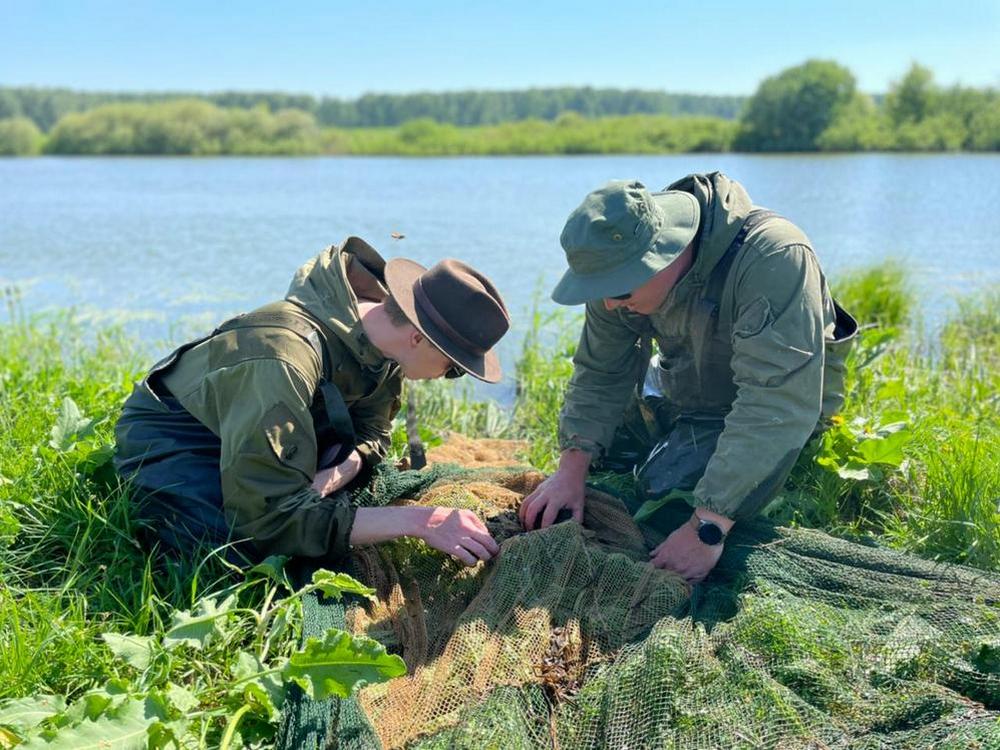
(170, 246)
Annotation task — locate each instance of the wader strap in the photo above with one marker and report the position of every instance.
(717, 281)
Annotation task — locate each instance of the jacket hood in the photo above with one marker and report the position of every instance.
(329, 286)
(724, 207)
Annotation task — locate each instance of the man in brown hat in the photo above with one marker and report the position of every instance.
(251, 434)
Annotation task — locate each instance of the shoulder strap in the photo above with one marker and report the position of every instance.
(717, 279)
(284, 315)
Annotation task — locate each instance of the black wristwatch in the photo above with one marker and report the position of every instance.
(709, 532)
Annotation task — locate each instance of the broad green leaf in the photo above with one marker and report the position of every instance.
(70, 427)
(135, 650)
(181, 698)
(648, 508)
(265, 696)
(272, 567)
(267, 692)
(97, 458)
(334, 665)
(891, 427)
(90, 705)
(24, 713)
(887, 450)
(197, 629)
(124, 728)
(167, 735)
(855, 471)
(246, 665)
(335, 585)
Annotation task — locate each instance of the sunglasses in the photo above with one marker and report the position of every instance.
(622, 297)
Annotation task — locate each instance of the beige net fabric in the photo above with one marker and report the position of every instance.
(570, 639)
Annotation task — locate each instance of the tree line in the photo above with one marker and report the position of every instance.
(814, 106)
(46, 106)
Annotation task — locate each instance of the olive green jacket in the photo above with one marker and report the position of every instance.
(771, 367)
(253, 387)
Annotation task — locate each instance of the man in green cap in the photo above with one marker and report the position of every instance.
(251, 434)
(750, 359)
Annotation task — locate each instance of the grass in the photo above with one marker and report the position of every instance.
(70, 570)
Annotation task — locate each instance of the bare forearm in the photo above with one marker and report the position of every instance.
(574, 462)
(456, 532)
(374, 525)
(328, 481)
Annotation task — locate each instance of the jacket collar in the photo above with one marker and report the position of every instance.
(329, 287)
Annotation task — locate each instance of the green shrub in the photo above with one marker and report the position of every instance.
(19, 136)
(189, 127)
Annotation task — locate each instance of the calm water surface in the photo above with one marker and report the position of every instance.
(171, 246)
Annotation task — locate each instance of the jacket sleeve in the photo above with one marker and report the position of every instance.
(606, 367)
(778, 370)
(372, 418)
(268, 462)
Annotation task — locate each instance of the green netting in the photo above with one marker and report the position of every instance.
(570, 639)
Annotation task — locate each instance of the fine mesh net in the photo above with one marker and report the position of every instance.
(570, 639)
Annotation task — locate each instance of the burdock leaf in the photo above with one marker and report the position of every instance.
(887, 450)
(267, 693)
(125, 728)
(335, 585)
(339, 662)
(24, 713)
(70, 427)
(855, 471)
(135, 650)
(181, 698)
(198, 628)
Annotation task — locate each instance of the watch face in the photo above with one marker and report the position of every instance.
(710, 533)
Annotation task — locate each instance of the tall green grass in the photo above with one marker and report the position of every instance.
(71, 570)
(942, 500)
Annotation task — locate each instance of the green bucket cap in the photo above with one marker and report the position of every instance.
(620, 237)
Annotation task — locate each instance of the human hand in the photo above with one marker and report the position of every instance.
(562, 490)
(328, 481)
(459, 533)
(685, 554)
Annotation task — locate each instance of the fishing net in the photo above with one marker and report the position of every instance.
(570, 639)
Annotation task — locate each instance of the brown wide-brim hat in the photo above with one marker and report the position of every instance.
(457, 308)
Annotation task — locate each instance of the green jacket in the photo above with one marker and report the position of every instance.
(773, 365)
(253, 387)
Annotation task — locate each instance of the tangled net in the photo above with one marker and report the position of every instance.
(570, 639)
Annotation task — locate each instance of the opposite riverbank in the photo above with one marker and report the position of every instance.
(810, 107)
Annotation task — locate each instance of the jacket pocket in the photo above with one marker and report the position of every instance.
(762, 354)
(292, 443)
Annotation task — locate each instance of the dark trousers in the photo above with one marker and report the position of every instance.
(172, 460)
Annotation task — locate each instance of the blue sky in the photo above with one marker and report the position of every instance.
(345, 49)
